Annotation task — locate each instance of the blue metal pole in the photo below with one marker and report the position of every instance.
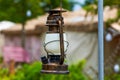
(100, 40)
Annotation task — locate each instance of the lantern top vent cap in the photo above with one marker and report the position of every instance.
(56, 11)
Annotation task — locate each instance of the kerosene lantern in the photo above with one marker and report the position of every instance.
(55, 45)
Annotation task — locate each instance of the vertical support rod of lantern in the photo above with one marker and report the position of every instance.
(61, 41)
(100, 40)
(61, 36)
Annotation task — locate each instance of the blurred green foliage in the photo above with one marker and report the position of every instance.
(15, 10)
(112, 3)
(89, 6)
(32, 72)
(115, 76)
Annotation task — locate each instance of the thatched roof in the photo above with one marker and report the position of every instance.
(6, 24)
(75, 21)
(116, 26)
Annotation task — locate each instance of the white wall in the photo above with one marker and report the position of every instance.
(1, 43)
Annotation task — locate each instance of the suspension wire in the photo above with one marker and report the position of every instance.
(50, 5)
(61, 5)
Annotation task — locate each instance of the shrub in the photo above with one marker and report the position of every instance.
(32, 72)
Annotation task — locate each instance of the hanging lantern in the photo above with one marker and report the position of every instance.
(55, 45)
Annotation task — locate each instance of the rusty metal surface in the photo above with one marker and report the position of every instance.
(55, 64)
(55, 23)
(55, 68)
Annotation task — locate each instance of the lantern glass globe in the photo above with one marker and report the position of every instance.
(52, 43)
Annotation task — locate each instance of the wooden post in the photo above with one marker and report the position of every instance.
(12, 67)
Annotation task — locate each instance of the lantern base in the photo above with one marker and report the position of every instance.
(53, 68)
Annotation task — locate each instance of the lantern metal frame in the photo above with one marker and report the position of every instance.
(55, 63)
